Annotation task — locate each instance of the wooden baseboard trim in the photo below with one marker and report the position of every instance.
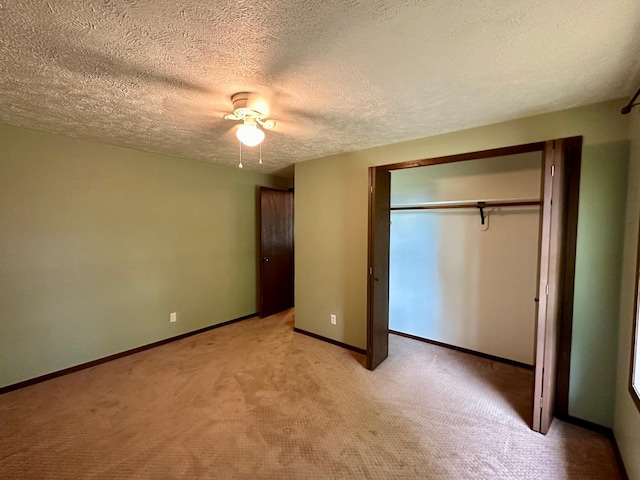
(616, 451)
(115, 356)
(464, 350)
(601, 429)
(330, 340)
(594, 427)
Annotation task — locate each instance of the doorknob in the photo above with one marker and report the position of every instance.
(265, 259)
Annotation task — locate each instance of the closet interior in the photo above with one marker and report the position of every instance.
(464, 254)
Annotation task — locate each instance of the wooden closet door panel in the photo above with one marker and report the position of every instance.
(550, 287)
(378, 274)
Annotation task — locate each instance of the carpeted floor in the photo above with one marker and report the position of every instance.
(256, 400)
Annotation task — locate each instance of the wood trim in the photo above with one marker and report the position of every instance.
(370, 243)
(464, 350)
(573, 162)
(494, 152)
(115, 356)
(602, 430)
(594, 427)
(619, 460)
(331, 341)
(634, 334)
(370, 229)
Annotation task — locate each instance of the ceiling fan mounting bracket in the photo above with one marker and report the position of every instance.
(250, 107)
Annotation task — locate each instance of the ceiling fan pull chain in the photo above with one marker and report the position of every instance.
(260, 161)
(240, 166)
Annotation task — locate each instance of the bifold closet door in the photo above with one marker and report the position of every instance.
(378, 265)
(550, 286)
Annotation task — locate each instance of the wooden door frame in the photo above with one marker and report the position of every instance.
(572, 151)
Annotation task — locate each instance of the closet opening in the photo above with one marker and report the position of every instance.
(476, 252)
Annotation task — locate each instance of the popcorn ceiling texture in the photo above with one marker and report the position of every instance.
(339, 75)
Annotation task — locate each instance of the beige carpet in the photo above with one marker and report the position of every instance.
(256, 400)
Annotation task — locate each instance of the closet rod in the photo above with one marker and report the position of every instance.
(471, 205)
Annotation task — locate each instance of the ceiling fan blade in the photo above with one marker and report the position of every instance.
(267, 124)
(294, 129)
(193, 105)
(90, 62)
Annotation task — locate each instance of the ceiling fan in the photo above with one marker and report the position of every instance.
(253, 111)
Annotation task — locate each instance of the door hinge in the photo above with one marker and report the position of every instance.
(553, 170)
(546, 289)
(370, 270)
(370, 188)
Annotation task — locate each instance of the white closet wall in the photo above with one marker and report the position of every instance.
(452, 282)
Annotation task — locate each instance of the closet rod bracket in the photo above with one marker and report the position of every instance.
(480, 207)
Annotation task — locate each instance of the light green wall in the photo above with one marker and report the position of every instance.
(98, 244)
(627, 416)
(331, 223)
(603, 195)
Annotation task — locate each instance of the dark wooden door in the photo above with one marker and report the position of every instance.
(550, 287)
(276, 251)
(378, 274)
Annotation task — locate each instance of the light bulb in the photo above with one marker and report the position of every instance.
(249, 134)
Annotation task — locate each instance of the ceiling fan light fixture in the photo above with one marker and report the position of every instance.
(250, 134)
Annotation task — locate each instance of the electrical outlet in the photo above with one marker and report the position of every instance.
(333, 319)
(173, 317)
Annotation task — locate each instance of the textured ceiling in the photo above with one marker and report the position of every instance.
(339, 75)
